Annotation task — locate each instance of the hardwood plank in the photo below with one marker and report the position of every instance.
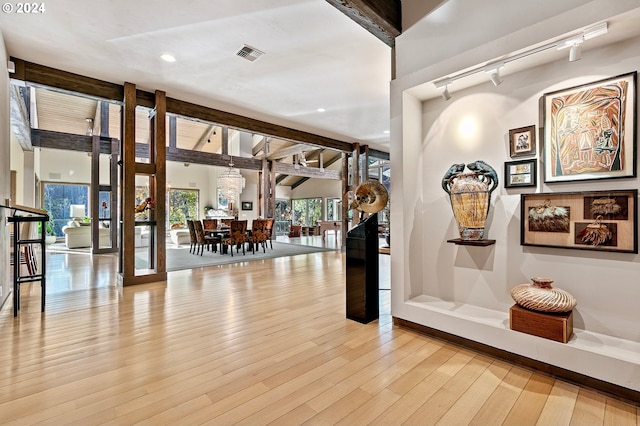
(371, 409)
(529, 405)
(560, 404)
(589, 409)
(496, 408)
(618, 413)
(445, 397)
(466, 407)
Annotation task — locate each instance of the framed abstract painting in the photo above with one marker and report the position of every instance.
(589, 131)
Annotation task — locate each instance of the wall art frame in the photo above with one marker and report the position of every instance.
(520, 173)
(589, 220)
(589, 131)
(522, 141)
(247, 205)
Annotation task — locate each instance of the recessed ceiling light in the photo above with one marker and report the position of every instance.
(321, 110)
(168, 58)
(386, 132)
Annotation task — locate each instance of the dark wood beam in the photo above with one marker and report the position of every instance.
(66, 81)
(220, 160)
(382, 18)
(259, 146)
(75, 83)
(286, 152)
(104, 119)
(204, 138)
(251, 125)
(82, 143)
(173, 133)
(58, 140)
(380, 155)
(280, 178)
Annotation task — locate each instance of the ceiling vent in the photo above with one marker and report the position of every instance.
(249, 53)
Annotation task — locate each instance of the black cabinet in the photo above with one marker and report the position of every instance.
(362, 271)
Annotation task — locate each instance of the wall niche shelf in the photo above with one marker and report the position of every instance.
(478, 243)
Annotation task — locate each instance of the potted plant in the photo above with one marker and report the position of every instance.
(50, 237)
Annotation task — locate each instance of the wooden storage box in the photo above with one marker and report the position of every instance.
(558, 327)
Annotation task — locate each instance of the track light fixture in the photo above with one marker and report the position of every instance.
(445, 93)
(575, 53)
(496, 78)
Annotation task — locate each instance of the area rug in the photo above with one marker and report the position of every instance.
(179, 258)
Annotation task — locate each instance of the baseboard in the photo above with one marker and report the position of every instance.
(552, 370)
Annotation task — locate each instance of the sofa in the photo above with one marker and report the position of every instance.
(78, 236)
(180, 236)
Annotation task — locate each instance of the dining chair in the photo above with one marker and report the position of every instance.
(210, 224)
(237, 236)
(259, 234)
(270, 222)
(202, 239)
(192, 235)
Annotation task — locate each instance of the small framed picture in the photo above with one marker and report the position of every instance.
(520, 173)
(247, 205)
(522, 141)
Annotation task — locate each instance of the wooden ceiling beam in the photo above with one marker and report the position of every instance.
(74, 83)
(71, 142)
(82, 143)
(304, 179)
(288, 151)
(204, 138)
(312, 172)
(382, 18)
(260, 146)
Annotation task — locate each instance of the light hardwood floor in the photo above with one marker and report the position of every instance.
(254, 343)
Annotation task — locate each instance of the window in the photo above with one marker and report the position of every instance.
(57, 198)
(333, 208)
(282, 217)
(307, 211)
(183, 205)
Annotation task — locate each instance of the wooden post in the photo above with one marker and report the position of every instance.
(128, 186)
(271, 210)
(345, 198)
(266, 179)
(160, 196)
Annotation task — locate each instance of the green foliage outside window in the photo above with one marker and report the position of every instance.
(183, 205)
(307, 212)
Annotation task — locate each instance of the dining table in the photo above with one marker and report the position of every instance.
(219, 234)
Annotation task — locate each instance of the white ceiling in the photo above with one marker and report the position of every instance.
(316, 57)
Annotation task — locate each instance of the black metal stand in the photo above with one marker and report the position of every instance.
(362, 271)
(18, 244)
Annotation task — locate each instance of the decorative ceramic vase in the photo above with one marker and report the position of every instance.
(470, 195)
(540, 296)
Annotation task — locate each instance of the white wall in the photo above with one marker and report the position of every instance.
(5, 156)
(465, 290)
(324, 188)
